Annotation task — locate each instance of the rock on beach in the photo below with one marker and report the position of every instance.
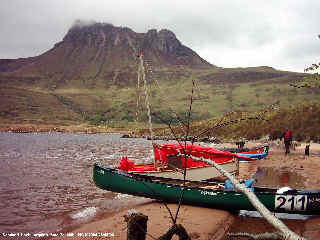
(200, 223)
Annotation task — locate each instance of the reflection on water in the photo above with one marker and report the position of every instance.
(46, 179)
(247, 169)
(271, 177)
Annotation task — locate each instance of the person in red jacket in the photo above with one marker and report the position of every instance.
(287, 137)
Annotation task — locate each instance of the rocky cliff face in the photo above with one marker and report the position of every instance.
(100, 54)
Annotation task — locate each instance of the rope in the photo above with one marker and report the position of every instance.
(274, 221)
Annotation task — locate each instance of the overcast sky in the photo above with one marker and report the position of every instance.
(228, 33)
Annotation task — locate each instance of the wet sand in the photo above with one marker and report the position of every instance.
(202, 223)
(297, 163)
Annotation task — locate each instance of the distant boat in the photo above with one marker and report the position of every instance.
(258, 149)
(170, 161)
(257, 153)
(205, 193)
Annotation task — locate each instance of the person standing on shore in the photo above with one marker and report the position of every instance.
(287, 138)
(307, 149)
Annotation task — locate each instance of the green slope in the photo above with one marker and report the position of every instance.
(216, 92)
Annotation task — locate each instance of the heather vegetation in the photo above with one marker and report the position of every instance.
(303, 119)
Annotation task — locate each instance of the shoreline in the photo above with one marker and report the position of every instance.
(34, 128)
(296, 162)
(205, 223)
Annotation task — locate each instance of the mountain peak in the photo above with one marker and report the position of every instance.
(79, 23)
(92, 51)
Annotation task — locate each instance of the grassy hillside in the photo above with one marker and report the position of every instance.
(216, 92)
(19, 105)
(301, 118)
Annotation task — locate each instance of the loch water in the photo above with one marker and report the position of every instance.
(46, 181)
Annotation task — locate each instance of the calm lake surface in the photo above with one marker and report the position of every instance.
(46, 179)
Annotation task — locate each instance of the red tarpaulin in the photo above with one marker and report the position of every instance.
(192, 152)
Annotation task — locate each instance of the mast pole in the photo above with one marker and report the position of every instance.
(142, 69)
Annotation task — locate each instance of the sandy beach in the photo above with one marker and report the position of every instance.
(202, 223)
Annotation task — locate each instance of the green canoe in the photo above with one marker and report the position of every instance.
(205, 194)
